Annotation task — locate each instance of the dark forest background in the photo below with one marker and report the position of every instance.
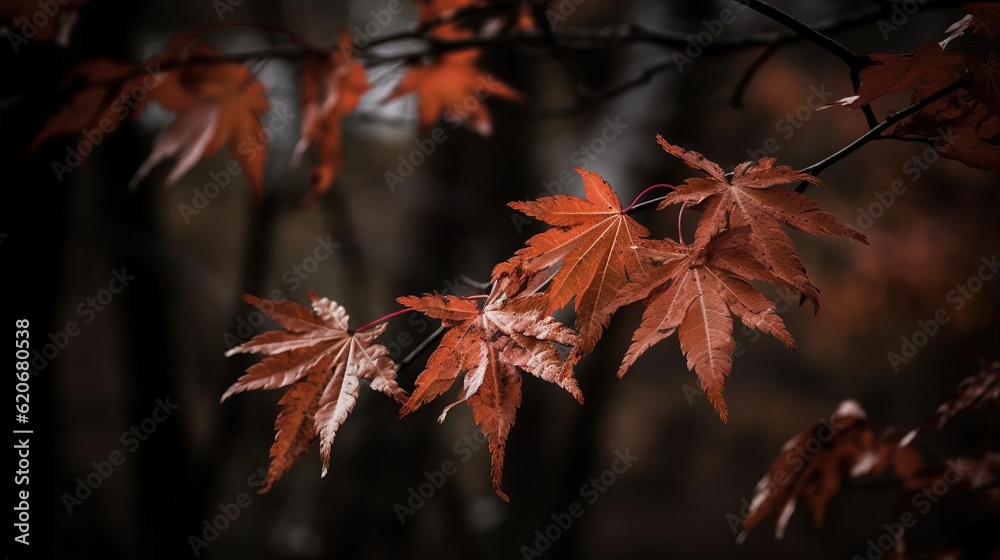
(164, 336)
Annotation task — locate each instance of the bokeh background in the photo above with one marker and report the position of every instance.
(164, 336)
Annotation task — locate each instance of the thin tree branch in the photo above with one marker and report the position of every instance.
(871, 135)
(901, 138)
(416, 351)
(580, 39)
(628, 33)
(751, 71)
(866, 109)
(851, 58)
(818, 167)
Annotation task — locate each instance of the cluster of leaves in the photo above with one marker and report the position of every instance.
(816, 464)
(217, 104)
(598, 256)
(969, 115)
(220, 101)
(445, 83)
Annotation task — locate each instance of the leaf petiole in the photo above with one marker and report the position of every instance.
(380, 320)
(644, 192)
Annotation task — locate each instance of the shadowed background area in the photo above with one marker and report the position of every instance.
(139, 383)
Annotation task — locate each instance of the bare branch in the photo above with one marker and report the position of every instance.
(874, 133)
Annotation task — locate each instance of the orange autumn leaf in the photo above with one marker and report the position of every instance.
(441, 18)
(752, 199)
(332, 86)
(694, 292)
(461, 19)
(109, 92)
(441, 10)
(220, 104)
(454, 88)
(488, 345)
(595, 241)
(323, 363)
(217, 104)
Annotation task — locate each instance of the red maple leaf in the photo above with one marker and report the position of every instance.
(751, 198)
(332, 86)
(596, 243)
(323, 362)
(219, 104)
(694, 292)
(488, 345)
(454, 88)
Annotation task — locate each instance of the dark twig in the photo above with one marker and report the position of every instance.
(581, 39)
(874, 133)
(851, 58)
(420, 348)
(751, 71)
(871, 135)
(866, 109)
(588, 95)
(901, 138)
